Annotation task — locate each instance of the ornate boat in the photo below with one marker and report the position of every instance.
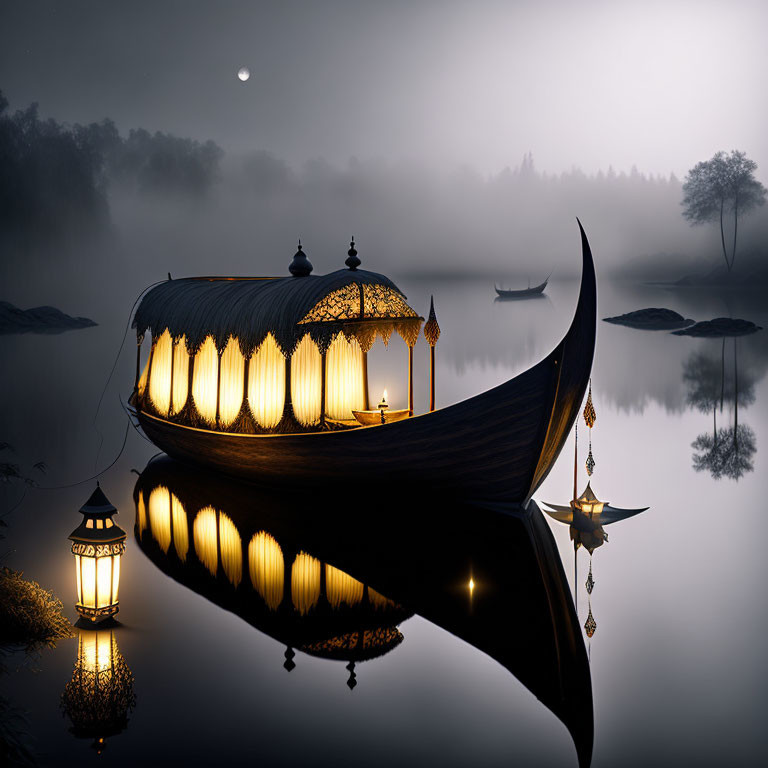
(285, 415)
(523, 293)
(308, 571)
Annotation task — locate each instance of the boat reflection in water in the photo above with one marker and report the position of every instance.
(334, 577)
(99, 697)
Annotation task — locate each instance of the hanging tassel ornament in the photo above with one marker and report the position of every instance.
(590, 625)
(590, 416)
(590, 582)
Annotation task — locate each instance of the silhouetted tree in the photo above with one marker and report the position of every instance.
(724, 184)
(51, 183)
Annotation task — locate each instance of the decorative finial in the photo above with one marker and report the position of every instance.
(289, 663)
(431, 328)
(301, 265)
(352, 261)
(352, 680)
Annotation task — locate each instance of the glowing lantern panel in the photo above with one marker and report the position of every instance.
(344, 382)
(267, 568)
(305, 582)
(205, 378)
(180, 388)
(97, 544)
(306, 382)
(231, 384)
(266, 383)
(160, 378)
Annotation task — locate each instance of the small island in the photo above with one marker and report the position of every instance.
(651, 319)
(38, 320)
(719, 328)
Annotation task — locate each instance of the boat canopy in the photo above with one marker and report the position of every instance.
(281, 354)
(357, 303)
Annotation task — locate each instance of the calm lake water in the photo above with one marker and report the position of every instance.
(679, 672)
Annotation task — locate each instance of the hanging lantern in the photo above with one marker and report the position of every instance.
(590, 416)
(97, 544)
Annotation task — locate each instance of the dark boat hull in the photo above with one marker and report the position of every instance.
(524, 293)
(419, 553)
(496, 447)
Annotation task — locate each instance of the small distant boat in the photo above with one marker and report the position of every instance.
(537, 290)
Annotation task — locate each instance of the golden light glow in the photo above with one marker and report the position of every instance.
(204, 536)
(160, 516)
(103, 581)
(160, 380)
(94, 650)
(180, 375)
(306, 382)
(78, 572)
(143, 379)
(115, 577)
(98, 579)
(377, 600)
(341, 588)
(344, 382)
(267, 568)
(88, 581)
(100, 694)
(305, 582)
(142, 509)
(232, 377)
(231, 549)
(471, 586)
(266, 383)
(180, 529)
(205, 380)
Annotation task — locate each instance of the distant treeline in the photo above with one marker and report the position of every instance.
(55, 177)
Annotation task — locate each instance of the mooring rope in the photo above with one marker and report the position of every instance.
(96, 474)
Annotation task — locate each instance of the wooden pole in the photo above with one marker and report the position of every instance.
(190, 379)
(432, 334)
(323, 378)
(246, 402)
(288, 405)
(576, 580)
(410, 380)
(367, 405)
(149, 364)
(218, 391)
(139, 340)
(575, 459)
(173, 355)
(432, 377)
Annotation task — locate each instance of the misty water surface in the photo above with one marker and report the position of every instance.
(678, 667)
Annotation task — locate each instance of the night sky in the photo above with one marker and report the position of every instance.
(592, 84)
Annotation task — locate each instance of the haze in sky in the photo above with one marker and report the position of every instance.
(658, 85)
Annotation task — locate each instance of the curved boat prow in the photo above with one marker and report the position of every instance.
(574, 357)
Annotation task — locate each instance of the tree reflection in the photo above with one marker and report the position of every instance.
(728, 452)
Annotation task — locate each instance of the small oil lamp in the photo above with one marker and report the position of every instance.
(382, 406)
(97, 544)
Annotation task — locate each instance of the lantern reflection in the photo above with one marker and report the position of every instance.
(99, 697)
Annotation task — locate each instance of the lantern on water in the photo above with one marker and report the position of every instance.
(97, 544)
